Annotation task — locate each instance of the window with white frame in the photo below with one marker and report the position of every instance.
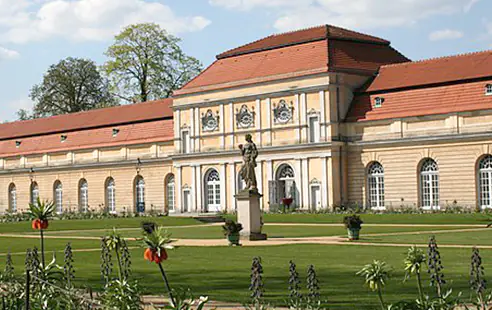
(378, 102)
(58, 195)
(83, 196)
(185, 141)
(140, 194)
(485, 182)
(488, 89)
(429, 184)
(34, 193)
(170, 194)
(111, 195)
(12, 198)
(212, 191)
(313, 128)
(375, 184)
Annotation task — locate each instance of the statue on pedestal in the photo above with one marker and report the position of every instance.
(247, 172)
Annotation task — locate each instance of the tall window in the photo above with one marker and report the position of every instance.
(58, 196)
(212, 190)
(83, 195)
(485, 181)
(110, 195)
(185, 141)
(12, 198)
(140, 194)
(170, 196)
(375, 182)
(314, 129)
(34, 193)
(429, 184)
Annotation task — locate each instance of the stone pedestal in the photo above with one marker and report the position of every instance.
(249, 214)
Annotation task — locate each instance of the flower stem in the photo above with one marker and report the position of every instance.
(380, 295)
(419, 285)
(42, 248)
(163, 273)
(119, 264)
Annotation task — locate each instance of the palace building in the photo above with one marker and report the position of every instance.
(339, 117)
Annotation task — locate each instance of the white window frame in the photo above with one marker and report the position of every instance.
(58, 197)
(212, 190)
(84, 196)
(488, 90)
(139, 192)
(375, 186)
(185, 142)
(111, 195)
(171, 193)
(429, 185)
(314, 131)
(34, 193)
(13, 198)
(378, 102)
(485, 182)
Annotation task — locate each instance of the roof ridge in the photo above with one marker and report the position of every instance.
(271, 36)
(82, 112)
(357, 32)
(425, 60)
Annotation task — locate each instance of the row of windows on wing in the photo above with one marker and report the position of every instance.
(83, 195)
(429, 184)
(63, 138)
(245, 118)
(378, 101)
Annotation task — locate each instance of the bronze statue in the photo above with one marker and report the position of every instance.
(247, 172)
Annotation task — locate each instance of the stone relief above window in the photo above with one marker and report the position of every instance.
(210, 121)
(282, 112)
(244, 117)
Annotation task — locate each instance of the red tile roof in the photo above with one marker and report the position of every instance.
(126, 114)
(136, 133)
(452, 98)
(433, 71)
(301, 36)
(305, 52)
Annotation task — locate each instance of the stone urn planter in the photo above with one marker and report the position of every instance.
(231, 230)
(353, 223)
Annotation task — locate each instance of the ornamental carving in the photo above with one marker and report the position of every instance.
(282, 113)
(244, 117)
(210, 122)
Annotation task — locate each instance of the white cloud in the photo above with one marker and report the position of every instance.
(86, 20)
(292, 14)
(6, 54)
(445, 34)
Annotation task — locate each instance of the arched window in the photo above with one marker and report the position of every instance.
(485, 181)
(212, 190)
(110, 191)
(12, 198)
(429, 184)
(375, 186)
(139, 194)
(170, 193)
(285, 185)
(83, 195)
(34, 193)
(58, 196)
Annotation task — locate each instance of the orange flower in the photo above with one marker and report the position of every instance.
(44, 224)
(152, 256)
(36, 224)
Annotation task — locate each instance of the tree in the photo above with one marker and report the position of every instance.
(72, 85)
(146, 63)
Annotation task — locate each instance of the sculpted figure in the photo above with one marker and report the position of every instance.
(247, 172)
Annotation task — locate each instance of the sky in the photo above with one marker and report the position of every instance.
(35, 34)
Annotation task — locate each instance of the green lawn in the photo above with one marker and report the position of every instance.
(480, 237)
(99, 223)
(428, 218)
(273, 231)
(223, 272)
(20, 245)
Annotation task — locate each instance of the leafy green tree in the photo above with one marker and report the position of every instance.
(72, 85)
(146, 63)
